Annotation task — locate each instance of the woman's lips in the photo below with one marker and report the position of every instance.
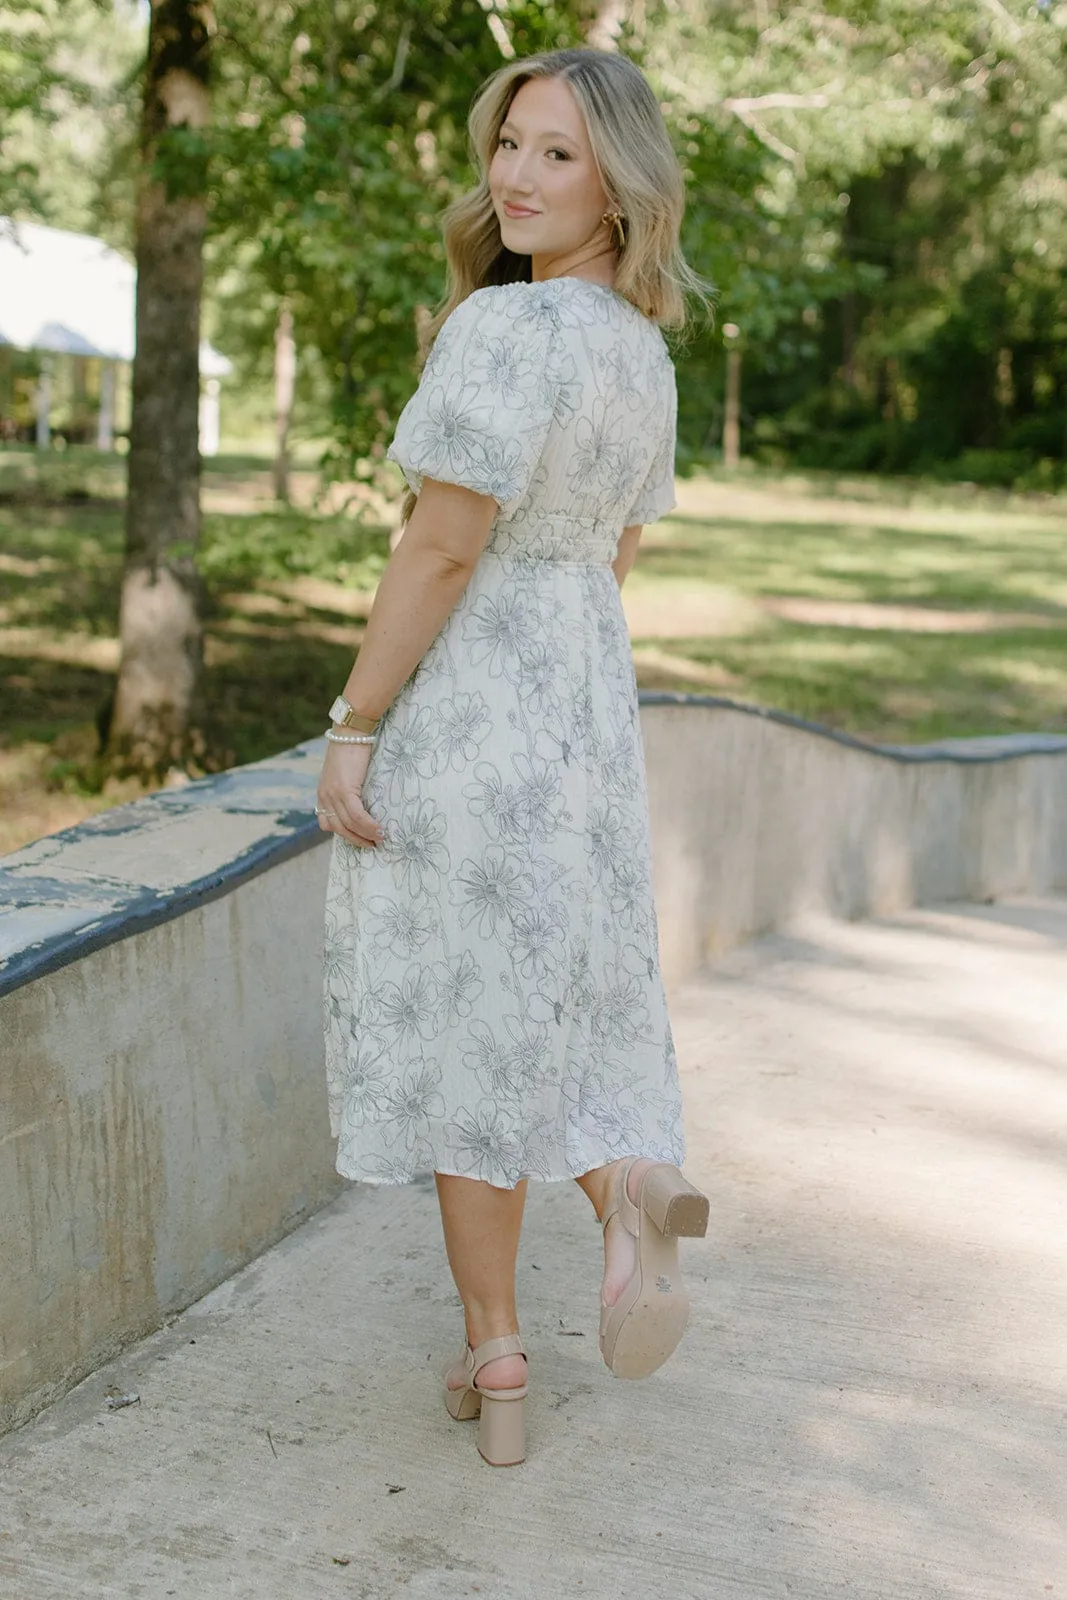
(518, 211)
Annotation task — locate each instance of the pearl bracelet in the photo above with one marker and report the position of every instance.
(349, 738)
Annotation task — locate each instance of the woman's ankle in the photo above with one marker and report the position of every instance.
(482, 1324)
(599, 1183)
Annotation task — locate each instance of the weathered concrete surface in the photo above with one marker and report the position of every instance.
(162, 1120)
(756, 822)
(162, 1102)
(870, 1401)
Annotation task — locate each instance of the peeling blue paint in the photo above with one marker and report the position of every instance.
(75, 891)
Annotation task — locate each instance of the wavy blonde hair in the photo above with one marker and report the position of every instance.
(638, 168)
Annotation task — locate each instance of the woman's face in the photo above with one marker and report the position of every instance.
(543, 181)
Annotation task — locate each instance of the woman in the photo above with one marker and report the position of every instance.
(494, 1007)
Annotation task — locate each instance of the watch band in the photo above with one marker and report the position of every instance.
(342, 714)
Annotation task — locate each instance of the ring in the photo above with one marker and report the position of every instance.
(319, 812)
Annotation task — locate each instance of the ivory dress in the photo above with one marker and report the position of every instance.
(493, 1000)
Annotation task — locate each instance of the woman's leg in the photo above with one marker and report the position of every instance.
(482, 1226)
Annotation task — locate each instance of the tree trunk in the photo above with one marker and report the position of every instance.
(43, 434)
(105, 421)
(284, 385)
(731, 428)
(156, 707)
(848, 338)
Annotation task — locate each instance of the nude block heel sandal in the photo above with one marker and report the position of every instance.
(502, 1412)
(646, 1322)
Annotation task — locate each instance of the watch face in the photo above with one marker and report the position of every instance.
(339, 709)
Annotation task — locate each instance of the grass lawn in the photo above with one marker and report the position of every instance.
(896, 612)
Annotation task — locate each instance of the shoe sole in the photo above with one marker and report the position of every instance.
(645, 1325)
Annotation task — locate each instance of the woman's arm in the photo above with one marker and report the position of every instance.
(626, 553)
(423, 580)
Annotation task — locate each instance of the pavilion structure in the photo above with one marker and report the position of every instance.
(71, 297)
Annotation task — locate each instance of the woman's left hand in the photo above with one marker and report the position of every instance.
(340, 809)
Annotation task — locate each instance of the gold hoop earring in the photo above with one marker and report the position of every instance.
(614, 220)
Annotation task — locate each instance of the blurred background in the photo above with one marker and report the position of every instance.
(872, 453)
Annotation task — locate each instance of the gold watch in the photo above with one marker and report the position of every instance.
(342, 714)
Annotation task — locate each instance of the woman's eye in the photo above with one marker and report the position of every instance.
(505, 139)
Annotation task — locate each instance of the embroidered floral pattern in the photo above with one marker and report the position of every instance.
(492, 996)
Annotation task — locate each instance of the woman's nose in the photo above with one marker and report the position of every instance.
(520, 177)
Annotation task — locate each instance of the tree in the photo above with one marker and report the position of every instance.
(895, 248)
(65, 69)
(341, 129)
(154, 718)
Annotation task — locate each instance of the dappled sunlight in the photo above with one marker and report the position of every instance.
(913, 1094)
(899, 618)
(20, 567)
(895, 614)
(1003, 569)
(901, 687)
(883, 1133)
(345, 635)
(67, 649)
(323, 595)
(669, 610)
(255, 604)
(818, 498)
(656, 668)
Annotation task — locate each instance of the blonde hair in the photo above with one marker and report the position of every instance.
(639, 171)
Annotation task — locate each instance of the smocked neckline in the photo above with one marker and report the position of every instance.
(569, 277)
(587, 283)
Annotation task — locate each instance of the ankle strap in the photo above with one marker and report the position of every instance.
(509, 1344)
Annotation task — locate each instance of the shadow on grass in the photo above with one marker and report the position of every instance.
(264, 687)
(1005, 569)
(895, 687)
(278, 645)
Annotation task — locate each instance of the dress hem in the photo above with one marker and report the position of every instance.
(375, 1180)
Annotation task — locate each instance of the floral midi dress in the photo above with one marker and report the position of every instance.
(493, 999)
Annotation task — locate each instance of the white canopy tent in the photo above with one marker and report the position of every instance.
(70, 294)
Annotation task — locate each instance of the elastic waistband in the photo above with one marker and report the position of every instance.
(549, 536)
(561, 553)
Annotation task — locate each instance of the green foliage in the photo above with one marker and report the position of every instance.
(897, 264)
(285, 543)
(341, 131)
(931, 611)
(877, 190)
(68, 110)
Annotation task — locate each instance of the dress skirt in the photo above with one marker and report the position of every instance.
(493, 999)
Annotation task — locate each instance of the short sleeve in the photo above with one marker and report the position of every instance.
(482, 411)
(656, 495)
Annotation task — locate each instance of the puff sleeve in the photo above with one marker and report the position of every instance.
(481, 413)
(656, 495)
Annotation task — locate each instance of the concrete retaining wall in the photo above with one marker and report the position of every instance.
(162, 1109)
(758, 820)
(163, 1121)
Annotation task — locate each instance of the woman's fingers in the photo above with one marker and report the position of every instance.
(341, 809)
(330, 822)
(358, 820)
(346, 815)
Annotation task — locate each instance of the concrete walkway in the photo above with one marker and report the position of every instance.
(871, 1399)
